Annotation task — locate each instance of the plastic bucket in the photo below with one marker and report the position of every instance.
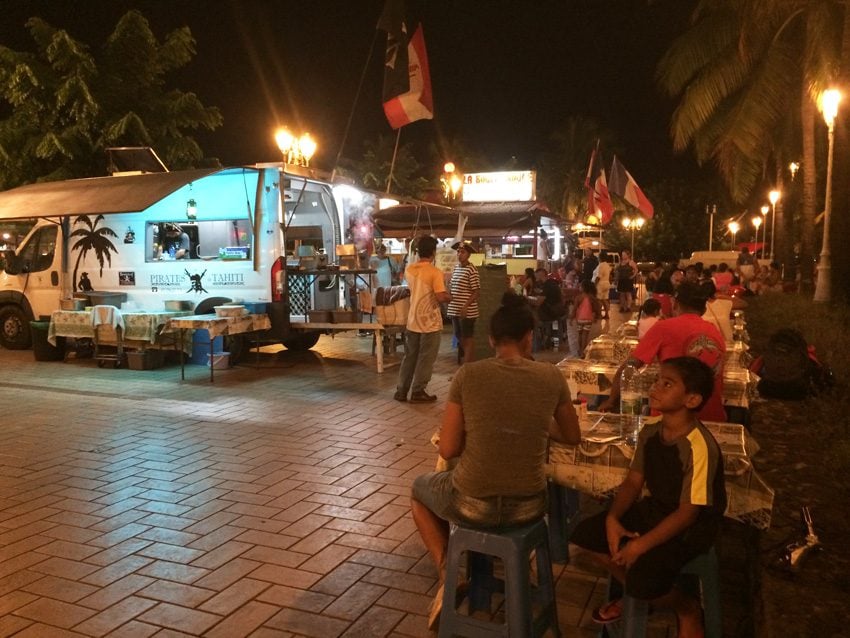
(219, 361)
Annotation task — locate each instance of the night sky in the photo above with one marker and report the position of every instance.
(504, 73)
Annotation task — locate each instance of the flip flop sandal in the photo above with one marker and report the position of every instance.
(608, 613)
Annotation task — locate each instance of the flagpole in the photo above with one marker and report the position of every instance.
(392, 163)
(354, 104)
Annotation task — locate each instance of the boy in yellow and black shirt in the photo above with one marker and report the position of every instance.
(645, 542)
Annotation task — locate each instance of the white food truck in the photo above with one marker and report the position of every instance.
(110, 235)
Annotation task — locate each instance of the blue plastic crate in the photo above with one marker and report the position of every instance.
(201, 347)
(256, 307)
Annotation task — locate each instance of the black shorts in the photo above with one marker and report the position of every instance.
(464, 328)
(654, 573)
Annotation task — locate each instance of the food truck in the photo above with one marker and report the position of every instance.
(108, 238)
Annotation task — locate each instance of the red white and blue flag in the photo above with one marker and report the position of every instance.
(599, 203)
(407, 80)
(624, 185)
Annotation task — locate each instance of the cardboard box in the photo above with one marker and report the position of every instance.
(145, 359)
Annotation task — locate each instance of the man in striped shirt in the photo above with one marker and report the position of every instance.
(463, 308)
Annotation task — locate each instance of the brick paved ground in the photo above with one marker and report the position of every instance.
(273, 502)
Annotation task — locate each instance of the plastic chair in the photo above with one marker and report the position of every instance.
(514, 546)
(706, 568)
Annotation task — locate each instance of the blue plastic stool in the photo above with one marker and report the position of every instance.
(706, 567)
(514, 547)
(563, 517)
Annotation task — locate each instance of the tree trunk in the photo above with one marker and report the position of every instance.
(840, 217)
(808, 206)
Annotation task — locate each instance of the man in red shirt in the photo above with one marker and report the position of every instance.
(685, 335)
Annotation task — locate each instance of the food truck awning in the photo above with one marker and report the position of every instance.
(96, 195)
(483, 220)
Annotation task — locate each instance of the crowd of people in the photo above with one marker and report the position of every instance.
(502, 410)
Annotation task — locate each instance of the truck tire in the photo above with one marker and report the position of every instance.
(14, 328)
(301, 342)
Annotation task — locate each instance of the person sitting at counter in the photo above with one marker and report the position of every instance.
(178, 239)
(645, 542)
(500, 414)
(685, 334)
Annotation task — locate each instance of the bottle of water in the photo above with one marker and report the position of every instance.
(631, 402)
(172, 251)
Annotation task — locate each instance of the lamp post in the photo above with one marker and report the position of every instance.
(757, 223)
(764, 211)
(773, 196)
(633, 225)
(452, 183)
(829, 107)
(296, 150)
(711, 212)
(734, 227)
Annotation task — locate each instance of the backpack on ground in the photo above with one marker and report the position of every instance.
(789, 368)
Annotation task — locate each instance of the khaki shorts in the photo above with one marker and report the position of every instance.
(436, 492)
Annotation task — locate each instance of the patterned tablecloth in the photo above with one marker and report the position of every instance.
(599, 463)
(218, 326)
(597, 377)
(143, 327)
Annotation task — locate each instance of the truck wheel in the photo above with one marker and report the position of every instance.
(301, 342)
(14, 329)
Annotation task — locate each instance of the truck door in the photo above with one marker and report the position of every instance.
(30, 286)
(38, 270)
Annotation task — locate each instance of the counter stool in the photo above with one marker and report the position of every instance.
(514, 547)
(706, 568)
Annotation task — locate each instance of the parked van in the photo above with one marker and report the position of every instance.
(111, 234)
(711, 258)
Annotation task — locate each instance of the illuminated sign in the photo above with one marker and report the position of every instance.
(502, 186)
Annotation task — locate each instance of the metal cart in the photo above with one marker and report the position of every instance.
(107, 328)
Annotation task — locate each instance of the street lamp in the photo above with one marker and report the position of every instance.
(773, 196)
(794, 167)
(764, 211)
(734, 227)
(829, 106)
(633, 225)
(451, 181)
(757, 223)
(296, 150)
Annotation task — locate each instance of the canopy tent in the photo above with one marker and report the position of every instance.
(96, 195)
(483, 220)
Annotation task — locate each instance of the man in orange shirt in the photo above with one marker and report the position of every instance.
(424, 324)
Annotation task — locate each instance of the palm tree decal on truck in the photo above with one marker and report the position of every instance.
(93, 238)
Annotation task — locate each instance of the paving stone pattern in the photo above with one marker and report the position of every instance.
(274, 502)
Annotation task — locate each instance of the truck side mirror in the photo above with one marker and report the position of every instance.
(13, 262)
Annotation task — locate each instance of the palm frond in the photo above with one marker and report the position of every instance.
(764, 101)
(705, 94)
(695, 50)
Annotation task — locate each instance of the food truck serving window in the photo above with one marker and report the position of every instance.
(226, 240)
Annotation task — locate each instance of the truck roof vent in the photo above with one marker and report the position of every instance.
(133, 160)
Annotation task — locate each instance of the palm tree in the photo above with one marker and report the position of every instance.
(736, 70)
(93, 238)
(562, 170)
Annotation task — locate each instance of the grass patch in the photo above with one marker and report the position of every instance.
(827, 327)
